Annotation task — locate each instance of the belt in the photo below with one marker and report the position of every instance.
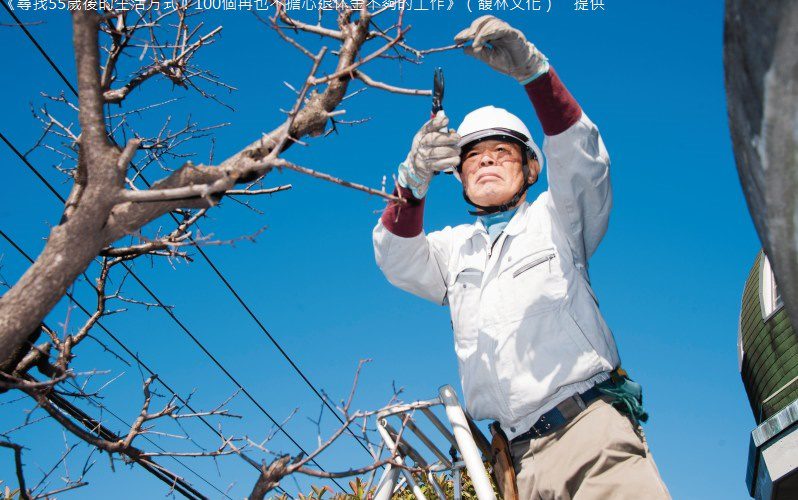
(558, 416)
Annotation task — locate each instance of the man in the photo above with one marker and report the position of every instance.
(534, 352)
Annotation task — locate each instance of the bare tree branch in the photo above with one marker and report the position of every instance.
(252, 192)
(350, 68)
(23, 490)
(319, 175)
(69, 487)
(106, 159)
(360, 75)
(317, 29)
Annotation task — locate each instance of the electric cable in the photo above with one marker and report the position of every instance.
(182, 326)
(105, 409)
(278, 346)
(41, 50)
(205, 257)
(172, 480)
(215, 269)
(134, 356)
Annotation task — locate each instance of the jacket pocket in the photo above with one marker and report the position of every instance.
(464, 294)
(578, 334)
(536, 262)
(533, 283)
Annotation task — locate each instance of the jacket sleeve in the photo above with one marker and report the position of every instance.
(580, 193)
(409, 259)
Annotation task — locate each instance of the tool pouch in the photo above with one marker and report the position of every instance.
(627, 395)
(503, 470)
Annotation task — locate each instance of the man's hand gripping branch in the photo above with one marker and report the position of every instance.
(503, 48)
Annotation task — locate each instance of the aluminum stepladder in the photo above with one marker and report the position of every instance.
(466, 439)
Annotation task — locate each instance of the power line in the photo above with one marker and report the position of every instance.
(135, 357)
(32, 168)
(116, 339)
(208, 261)
(41, 50)
(276, 344)
(174, 481)
(105, 409)
(221, 277)
(179, 323)
(216, 361)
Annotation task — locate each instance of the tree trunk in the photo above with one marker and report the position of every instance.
(79, 237)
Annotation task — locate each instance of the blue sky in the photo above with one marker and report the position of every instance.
(669, 274)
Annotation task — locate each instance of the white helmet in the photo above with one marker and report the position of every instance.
(490, 121)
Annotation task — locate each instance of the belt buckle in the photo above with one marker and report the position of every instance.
(546, 426)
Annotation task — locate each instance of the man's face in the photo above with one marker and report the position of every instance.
(491, 172)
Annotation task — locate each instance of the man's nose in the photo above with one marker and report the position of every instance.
(486, 160)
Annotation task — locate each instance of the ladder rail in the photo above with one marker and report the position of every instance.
(465, 437)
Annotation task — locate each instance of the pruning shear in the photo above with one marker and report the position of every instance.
(437, 91)
(437, 98)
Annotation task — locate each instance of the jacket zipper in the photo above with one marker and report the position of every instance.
(534, 263)
(493, 245)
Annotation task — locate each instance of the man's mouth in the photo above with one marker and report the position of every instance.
(488, 175)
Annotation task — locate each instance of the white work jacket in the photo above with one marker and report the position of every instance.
(527, 328)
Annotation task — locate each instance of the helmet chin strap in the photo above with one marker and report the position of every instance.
(485, 210)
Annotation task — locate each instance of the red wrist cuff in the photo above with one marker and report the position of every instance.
(556, 108)
(405, 220)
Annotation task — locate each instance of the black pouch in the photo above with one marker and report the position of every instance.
(626, 394)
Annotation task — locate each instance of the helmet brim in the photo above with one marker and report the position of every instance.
(474, 137)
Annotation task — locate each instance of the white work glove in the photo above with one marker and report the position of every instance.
(434, 149)
(503, 48)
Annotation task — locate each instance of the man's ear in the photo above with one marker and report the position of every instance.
(534, 170)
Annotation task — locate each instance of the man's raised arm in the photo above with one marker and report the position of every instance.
(578, 162)
(578, 165)
(410, 259)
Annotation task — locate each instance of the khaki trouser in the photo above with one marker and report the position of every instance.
(597, 455)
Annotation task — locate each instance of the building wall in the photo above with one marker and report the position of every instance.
(769, 350)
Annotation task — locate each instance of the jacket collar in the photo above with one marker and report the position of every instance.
(515, 226)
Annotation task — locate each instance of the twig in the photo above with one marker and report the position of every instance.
(335, 180)
(70, 487)
(390, 88)
(23, 490)
(310, 28)
(251, 192)
(349, 69)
